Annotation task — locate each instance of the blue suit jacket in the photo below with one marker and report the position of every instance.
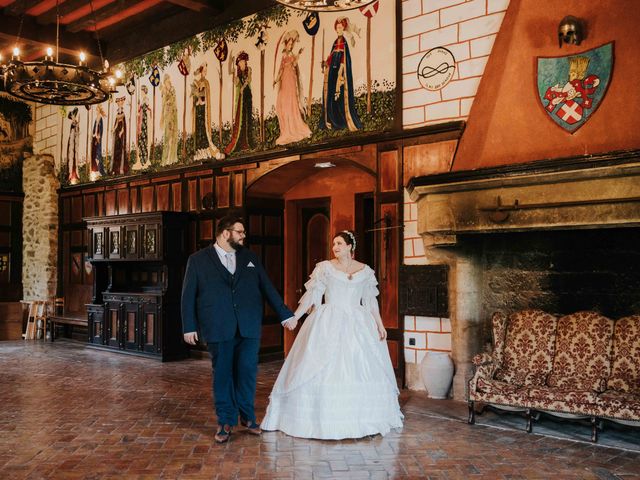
(217, 304)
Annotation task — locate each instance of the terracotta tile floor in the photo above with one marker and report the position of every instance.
(71, 412)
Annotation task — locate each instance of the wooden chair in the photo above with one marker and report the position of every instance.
(37, 313)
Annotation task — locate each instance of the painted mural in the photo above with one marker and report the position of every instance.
(15, 141)
(278, 79)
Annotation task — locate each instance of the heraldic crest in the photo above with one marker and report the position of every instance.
(571, 88)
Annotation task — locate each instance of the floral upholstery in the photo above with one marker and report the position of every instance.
(582, 364)
(499, 393)
(499, 327)
(625, 370)
(619, 405)
(581, 402)
(583, 343)
(529, 348)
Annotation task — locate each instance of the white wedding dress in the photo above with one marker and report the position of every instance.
(337, 381)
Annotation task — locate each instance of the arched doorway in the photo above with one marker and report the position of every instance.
(312, 204)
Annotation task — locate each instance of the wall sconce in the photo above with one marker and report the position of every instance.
(571, 30)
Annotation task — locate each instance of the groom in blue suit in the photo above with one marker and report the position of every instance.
(222, 298)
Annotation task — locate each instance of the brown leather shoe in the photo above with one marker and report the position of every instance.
(252, 427)
(223, 434)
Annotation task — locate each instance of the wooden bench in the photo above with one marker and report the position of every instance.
(60, 317)
(65, 320)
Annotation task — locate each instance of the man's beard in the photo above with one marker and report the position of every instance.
(234, 244)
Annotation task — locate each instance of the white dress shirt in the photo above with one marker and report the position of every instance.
(228, 259)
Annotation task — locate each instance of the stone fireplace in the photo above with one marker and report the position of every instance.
(561, 235)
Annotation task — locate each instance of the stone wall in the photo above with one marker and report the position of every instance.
(40, 228)
(561, 271)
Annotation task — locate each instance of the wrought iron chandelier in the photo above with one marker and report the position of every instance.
(325, 5)
(54, 83)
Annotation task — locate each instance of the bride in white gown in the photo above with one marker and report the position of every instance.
(337, 381)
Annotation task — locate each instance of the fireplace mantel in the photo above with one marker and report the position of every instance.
(588, 192)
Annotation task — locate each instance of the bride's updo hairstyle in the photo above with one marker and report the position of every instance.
(349, 238)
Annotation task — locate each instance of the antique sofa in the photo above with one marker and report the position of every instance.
(582, 365)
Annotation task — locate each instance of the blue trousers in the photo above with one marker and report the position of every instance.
(234, 366)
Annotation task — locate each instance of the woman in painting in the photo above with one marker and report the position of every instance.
(242, 123)
(142, 128)
(72, 146)
(289, 104)
(337, 381)
(120, 163)
(201, 116)
(169, 122)
(97, 165)
(338, 102)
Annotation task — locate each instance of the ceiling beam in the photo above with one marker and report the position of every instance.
(178, 27)
(44, 36)
(19, 7)
(71, 10)
(111, 10)
(194, 5)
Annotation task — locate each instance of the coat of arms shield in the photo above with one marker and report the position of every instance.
(572, 87)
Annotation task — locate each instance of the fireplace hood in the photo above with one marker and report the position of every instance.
(577, 193)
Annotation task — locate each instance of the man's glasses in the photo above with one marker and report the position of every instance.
(239, 232)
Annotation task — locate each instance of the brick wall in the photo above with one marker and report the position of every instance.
(467, 29)
(46, 137)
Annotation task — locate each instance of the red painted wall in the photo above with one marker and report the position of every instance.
(507, 123)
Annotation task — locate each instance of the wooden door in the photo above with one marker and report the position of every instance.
(312, 231)
(265, 229)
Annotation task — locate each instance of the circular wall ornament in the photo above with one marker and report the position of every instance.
(436, 68)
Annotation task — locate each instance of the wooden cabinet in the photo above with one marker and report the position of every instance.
(138, 263)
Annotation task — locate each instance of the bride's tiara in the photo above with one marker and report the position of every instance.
(352, 237)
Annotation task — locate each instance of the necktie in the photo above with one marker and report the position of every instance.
(231, 264)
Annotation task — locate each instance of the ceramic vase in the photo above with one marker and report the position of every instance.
(436, 370)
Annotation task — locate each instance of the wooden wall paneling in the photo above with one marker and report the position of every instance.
(389, 266)
(123, 201)
(77, 237)
(389, 171)
(66, 257)
(193, 236)
(90, 205)
(76, 209)
(394, 353)
(206, 230)
(273, 262)
(5, 213)
(147, 194)
(110, 202)
(389, 206)
(223, 191)
(100, 204)
(193, 195)
(271, 336)
(162, 197)
(255, 225)
(66, 210)
(272, 225)
(176, 196)
(134, 197)
(238, 189)
(206, 188)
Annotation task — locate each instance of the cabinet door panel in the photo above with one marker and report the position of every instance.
(113, 324)
(150, 330)
(131, 326)
(96, 325)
